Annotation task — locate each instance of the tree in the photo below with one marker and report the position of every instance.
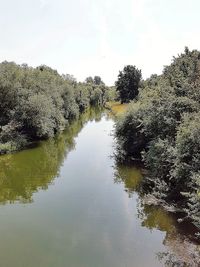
(89, 80)
(36, 103)
(163, 129)
(128, 83)
(98, 80)
(70, 78)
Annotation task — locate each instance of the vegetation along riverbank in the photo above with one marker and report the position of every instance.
(157, 120)
(36, 103)
(162, 128)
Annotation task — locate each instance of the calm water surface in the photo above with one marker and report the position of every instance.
(65, 203)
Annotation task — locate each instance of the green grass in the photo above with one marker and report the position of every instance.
(117, 108)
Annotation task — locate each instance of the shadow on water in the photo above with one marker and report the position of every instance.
(30, 170)
(180, 241)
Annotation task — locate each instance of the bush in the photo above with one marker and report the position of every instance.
(163, 129)
(35, 103)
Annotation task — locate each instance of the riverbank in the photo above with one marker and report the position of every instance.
(150, 199)
(116, 108)
(162, 128)
(16, 145)
(37, 103)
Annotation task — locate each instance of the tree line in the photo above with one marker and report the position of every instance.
(36, 103)
(162, 128)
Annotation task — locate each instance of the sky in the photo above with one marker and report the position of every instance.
(98, 37)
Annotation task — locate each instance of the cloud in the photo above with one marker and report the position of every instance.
(43, 3)
(98, 37)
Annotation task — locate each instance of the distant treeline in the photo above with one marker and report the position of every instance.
(162, 127)
(36, 103)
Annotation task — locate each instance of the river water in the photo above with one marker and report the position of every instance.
(65, 203)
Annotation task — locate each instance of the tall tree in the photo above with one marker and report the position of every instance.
(128, 83)
(98, 80)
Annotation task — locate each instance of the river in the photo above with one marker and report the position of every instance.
(65, 203)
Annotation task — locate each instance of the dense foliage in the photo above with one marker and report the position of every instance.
(128, 83)
(35, 103)
(163, 129)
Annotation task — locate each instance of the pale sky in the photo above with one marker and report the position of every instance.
(98, 37)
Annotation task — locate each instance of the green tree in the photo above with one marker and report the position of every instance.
(128, 83)
(162, 128)
(98, 80)
(35, 103)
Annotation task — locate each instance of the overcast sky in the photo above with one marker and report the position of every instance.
(98, 37)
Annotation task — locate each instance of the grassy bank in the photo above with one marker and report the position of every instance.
(116, 108)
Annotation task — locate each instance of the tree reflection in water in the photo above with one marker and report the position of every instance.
(26, 172)
(182, 245)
